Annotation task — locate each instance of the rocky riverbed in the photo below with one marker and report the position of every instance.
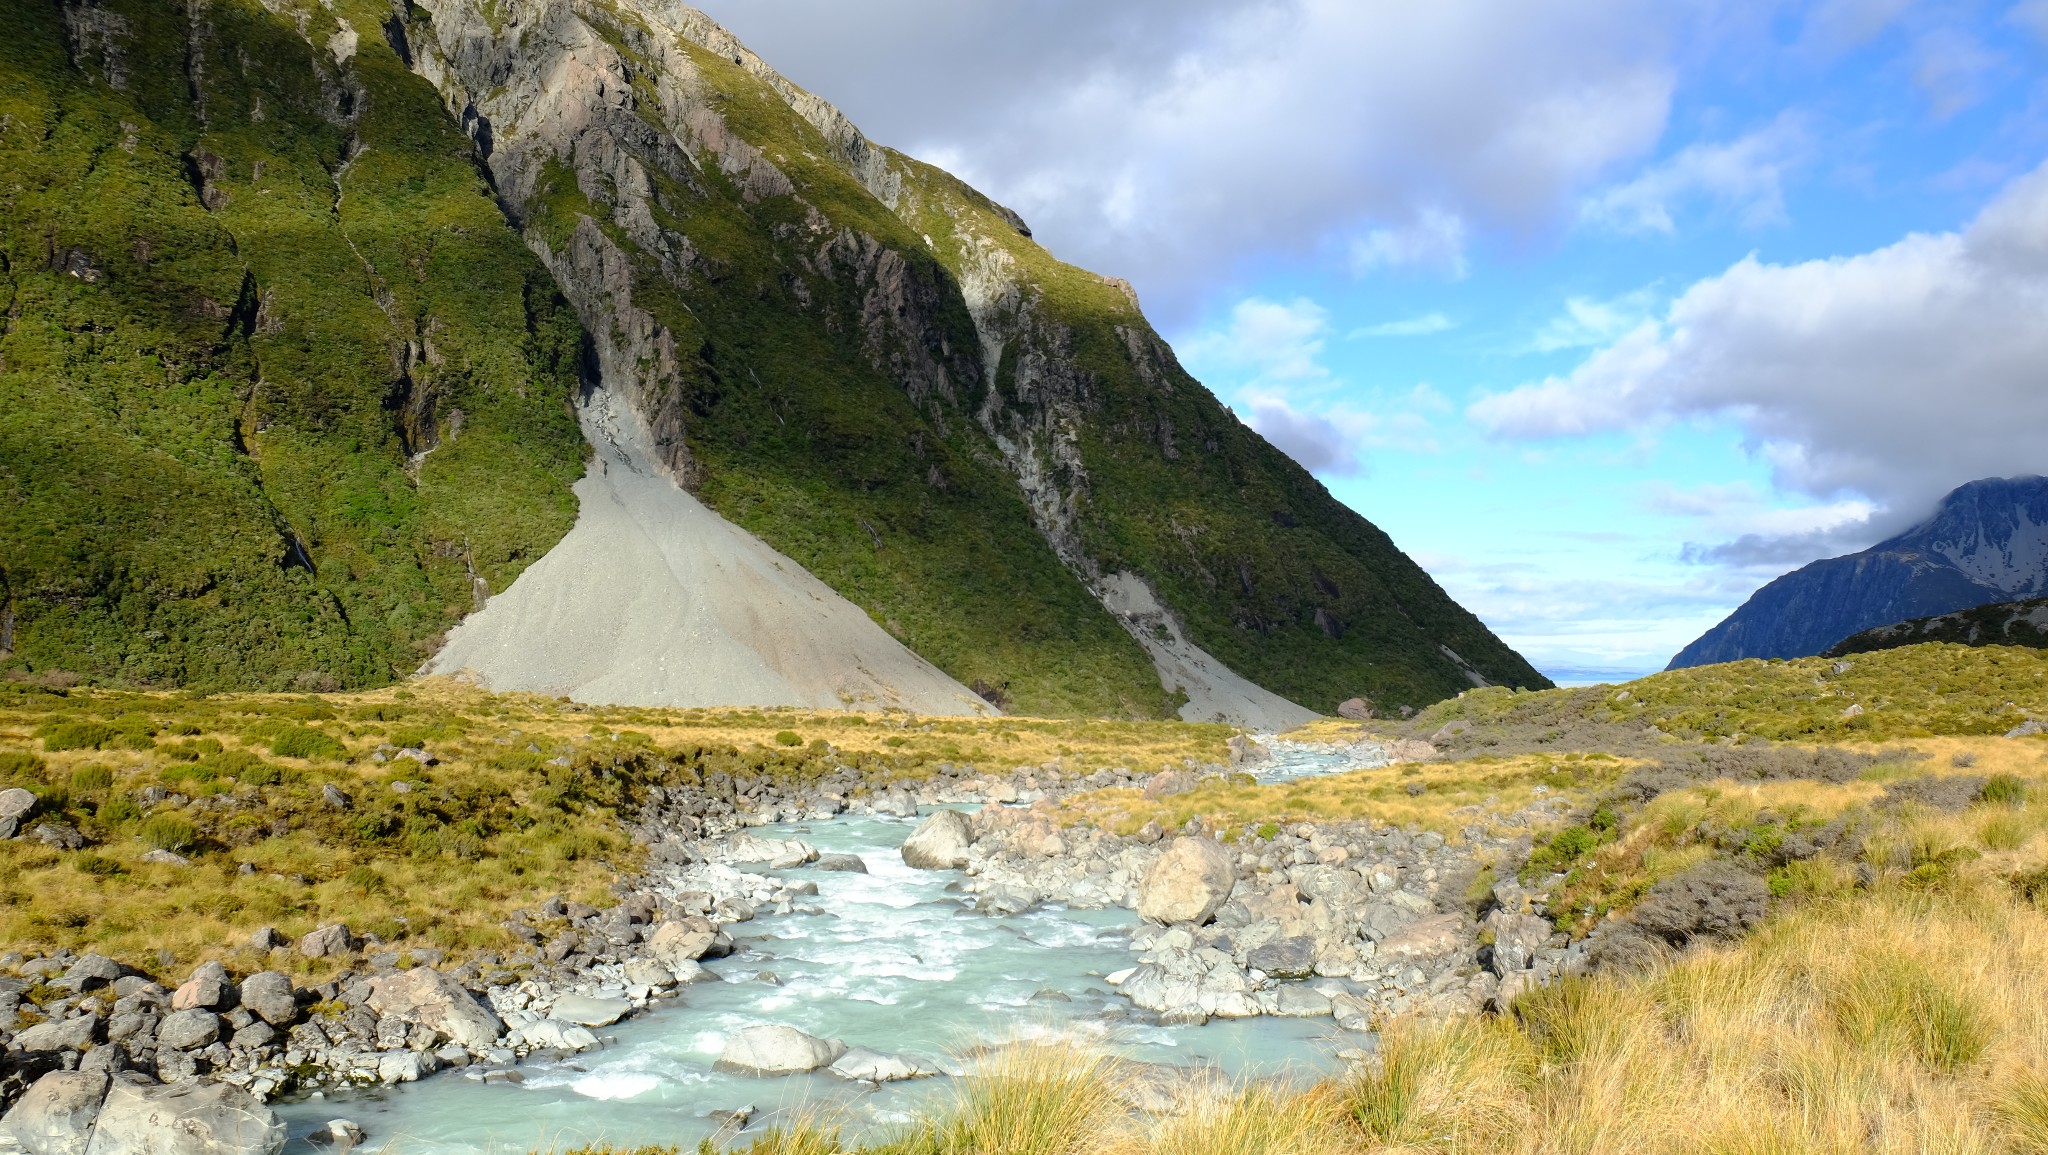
(1342, 923)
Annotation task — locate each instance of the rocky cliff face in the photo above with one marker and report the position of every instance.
(1988, 542)
(848, 353)
(661, 168)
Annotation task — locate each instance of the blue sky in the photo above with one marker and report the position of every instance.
(1608, 312)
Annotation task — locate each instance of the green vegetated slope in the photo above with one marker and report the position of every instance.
(1270, 573)
(2021, 623)
(1910, 692)
(838, 399)
(276, 379)
(822, 428)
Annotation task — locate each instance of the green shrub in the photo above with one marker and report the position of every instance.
(83, 734)
(260, 774)
(364, 880)
(170, 832)
(91, 778)
(119, 809)
(173, 775)
(2004, 789)
(788, 738)
(19, 764)
(302, 742)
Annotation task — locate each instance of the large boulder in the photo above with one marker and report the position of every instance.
(189, 1118)
(55, 1117)
(186, 1029)
(775, 1049)
(71, 1034)
(1285, 958)
(268, 995)
(91, 972)
(209, 988)
(425, 996)
(1424, 940)
(585, 1011)
(939, 842)
(686, 939)
(1187, 883)
(327, 941)
(15, 804)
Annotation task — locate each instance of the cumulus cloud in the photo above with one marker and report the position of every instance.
(1744, 175)
(1587, 322)
(1895, 374)
(1170, 140)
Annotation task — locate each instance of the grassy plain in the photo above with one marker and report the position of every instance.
(528, 797)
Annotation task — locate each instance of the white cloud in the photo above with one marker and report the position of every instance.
(1171, 140)
(1423, 326)
(1894, 375)
(1266, 360)
(1744, 175)
(1586, 322)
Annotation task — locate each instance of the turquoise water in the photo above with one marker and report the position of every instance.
(888, 960)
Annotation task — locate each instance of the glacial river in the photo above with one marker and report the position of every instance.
(892, 963)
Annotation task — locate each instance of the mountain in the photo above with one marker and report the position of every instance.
(2021, 623)
(1988, 542)
(305, 303)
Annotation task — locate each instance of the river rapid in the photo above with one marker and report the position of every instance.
(890, 960)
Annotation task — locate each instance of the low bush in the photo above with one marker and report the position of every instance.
(80, 734)
(304, 742)
(169, 832)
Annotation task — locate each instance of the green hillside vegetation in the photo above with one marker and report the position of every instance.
(2022, 623)
(1268, 571)
(1909, 692)
(275, 378)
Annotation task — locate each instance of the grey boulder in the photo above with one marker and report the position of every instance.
(55, 1117)
(91, 972)
(1286, 958)
(939, 842)
(775, 1049)
(326, 941)
(185, 1119)
(209, 988)
(425, 996)
(187, 1029)
(268, 995)
(585, 1011)
(849, 863)
(1187, 883)
(59, 1034)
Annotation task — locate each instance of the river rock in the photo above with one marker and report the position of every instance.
(875, 1067)
(589, 1012)
(59, 1034)
(91, 972)
(268, 995)
(939, 842)
(775, 1049)
(209, 988)
(780, 854)
(1516, 939)
(434, 1000)
(342, 1131)
(1187, 883)
(1423, 941)
(324, 942)
(1286, 958)
(185, 1119)
(55, 1117)
(849, 863)
(1299, 1002)
(186, 1029)
(685, 939)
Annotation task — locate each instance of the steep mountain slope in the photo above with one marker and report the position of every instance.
(298, 296)
(870, 365)
(1988, 542)
(2021, 623)
(280, 395)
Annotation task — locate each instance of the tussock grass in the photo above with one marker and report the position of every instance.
(528, 798)
(1441, 796)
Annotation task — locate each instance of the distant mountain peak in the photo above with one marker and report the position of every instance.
(1986, 542)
